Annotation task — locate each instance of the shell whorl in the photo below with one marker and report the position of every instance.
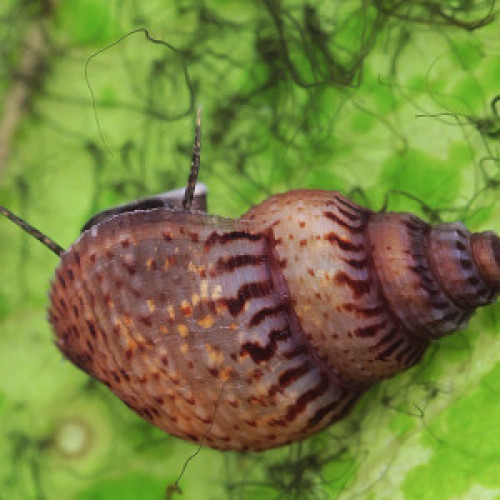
(372, 289)
(187, 318)
(256, 332)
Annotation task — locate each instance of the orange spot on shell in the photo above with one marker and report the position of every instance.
(226, 374)
(183, 330)
(171, 312)
(186, 309)
(204, 289)
(207, 321)
(214, 355)
(199, 270)
(170, 260)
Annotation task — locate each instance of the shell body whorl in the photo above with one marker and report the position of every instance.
(256, 332)
(187, 318)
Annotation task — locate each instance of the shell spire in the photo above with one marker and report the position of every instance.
(371, 290)
(433, 277)
(486, 252)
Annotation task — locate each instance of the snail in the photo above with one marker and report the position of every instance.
(255, 332)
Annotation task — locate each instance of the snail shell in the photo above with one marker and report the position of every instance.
(252, 333)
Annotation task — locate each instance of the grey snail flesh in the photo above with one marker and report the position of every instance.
(253, 333)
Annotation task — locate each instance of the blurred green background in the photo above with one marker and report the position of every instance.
(383, 100)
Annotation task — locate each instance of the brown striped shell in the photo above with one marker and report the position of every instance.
(252, 333)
